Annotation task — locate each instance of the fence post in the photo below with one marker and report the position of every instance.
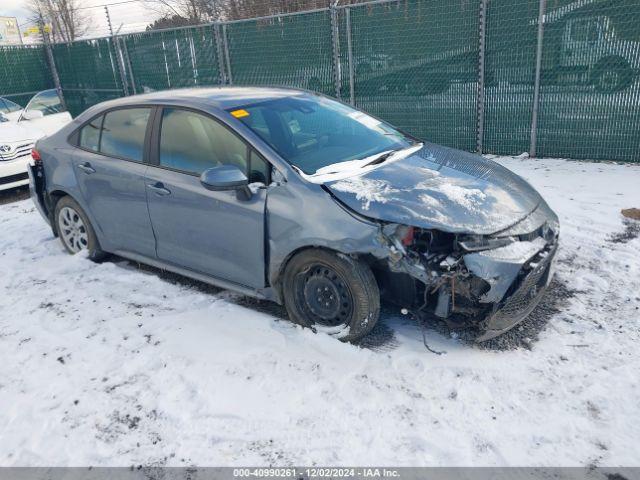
(536, 86)
(335, 43)
(227, 58)
(121, 66)
(128, 60)
(352, 99)
(219, 53)
(481, 74)
(52, 64)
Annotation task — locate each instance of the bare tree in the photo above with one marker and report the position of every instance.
(67, 19)
(201, 11)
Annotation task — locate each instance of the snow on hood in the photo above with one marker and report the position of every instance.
(14, 132)
(442, 188)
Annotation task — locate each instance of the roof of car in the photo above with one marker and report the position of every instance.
(220, 97)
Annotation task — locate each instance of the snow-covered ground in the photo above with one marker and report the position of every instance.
(111, 364)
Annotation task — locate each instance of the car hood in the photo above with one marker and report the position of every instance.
(11, 132)
(440, 188)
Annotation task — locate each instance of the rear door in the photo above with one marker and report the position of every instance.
(111, 174)
(217, 233)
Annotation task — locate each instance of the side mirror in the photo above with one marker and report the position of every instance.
(32, 114)
(224, 177)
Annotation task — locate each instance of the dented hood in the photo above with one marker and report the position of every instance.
(442, 188)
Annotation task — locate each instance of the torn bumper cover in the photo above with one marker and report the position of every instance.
(518, 278)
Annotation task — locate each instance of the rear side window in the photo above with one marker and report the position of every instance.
(123, 133)
(90, 135)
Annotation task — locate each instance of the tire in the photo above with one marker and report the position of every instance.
(75, 230)
(613, 76)
(331, 293)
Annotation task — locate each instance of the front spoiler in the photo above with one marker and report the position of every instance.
(518, 305)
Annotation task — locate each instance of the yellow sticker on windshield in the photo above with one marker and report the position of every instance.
(240, 113)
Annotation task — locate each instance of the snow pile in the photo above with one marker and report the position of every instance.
(366, 190)
(112, 365)
(468, 198)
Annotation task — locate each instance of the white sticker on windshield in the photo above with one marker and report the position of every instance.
(366, 120)
(294, 126)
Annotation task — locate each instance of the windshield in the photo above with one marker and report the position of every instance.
(7, 106)
(314, 132)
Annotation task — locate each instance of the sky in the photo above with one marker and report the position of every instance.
(129, 17)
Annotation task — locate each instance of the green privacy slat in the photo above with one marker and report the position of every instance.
(510, 63)
(23, 69)
(414, 63)
(173, 59)
(416, 66)
(292, 51)
(88, 72)
(590, 94)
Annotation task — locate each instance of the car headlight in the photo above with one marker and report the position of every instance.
(478, 243)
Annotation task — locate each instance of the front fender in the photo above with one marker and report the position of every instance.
(303, 216)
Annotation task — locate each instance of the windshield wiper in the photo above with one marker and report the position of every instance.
(381, 158)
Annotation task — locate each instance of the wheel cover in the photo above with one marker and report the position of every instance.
(323, 296)
(72, 230)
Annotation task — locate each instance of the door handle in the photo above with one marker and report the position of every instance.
(159, 188)
(87, 168)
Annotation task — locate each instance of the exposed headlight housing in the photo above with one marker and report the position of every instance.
(478, 243)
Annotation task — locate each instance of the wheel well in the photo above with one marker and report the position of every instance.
(52, 199)
(276, 283)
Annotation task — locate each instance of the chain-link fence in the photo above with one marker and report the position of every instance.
(549, 77)
(24, 71)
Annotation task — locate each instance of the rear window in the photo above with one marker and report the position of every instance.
(90, 134)
(121, 133)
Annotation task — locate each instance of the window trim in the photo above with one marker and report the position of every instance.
(154, 157)
(74, 137)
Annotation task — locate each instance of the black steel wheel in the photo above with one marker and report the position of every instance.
(331, 293)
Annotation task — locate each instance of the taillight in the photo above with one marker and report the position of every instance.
(36, 156)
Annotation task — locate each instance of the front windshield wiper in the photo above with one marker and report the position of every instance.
(380, 158)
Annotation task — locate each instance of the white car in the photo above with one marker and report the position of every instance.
(19, 130)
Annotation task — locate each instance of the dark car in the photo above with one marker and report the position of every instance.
(291, 196)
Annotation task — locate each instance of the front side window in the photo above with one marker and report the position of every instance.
(191, 142)
(90, 134)
(47, 102)
(123, 133)
(314, 132)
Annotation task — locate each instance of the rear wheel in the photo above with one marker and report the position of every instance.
(75, 230)
(331, 293)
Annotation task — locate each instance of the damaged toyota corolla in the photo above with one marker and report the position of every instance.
(290, 196)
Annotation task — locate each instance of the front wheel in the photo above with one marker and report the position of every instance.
(331, 293)
(75, 230)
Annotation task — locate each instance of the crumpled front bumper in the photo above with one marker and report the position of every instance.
(523, 295)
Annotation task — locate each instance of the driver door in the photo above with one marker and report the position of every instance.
(218, 233)
(45, 112)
